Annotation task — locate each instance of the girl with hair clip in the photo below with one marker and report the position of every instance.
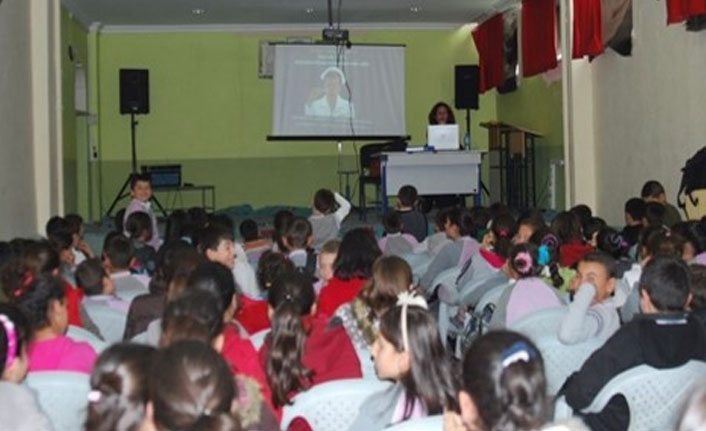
(504, 388)
(529, 293)
(391, 276)
(43, 302)
(548, 245)
(459, 228)
(409, 352)
(190, 388)
(118, 395)
(18, 406)
(609, 241)
(301, 350)
(568, 228)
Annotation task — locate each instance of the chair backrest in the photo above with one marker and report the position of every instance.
(367, 152)
(332, 406)
(429, 423)
(258, 339)
(79, 334)
(655, 396)
(110, 322)
(62, 396)
(560, 360)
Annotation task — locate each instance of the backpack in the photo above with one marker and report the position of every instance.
(693, 178)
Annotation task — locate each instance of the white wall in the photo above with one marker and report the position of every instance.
(17, 204)
(650, 109)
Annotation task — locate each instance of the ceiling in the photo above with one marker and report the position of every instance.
(268, 12)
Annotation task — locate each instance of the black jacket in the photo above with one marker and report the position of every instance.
(657, 340)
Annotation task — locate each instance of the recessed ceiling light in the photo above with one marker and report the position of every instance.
(310, 10)
(198, 11)
(415, 9)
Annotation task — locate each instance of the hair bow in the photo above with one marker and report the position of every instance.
(518, 352)
(543, 256)
(11, 336)
(525, 260)
(404, 300)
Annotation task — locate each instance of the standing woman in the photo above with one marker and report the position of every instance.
(441, 114)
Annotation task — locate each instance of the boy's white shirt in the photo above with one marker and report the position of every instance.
(244, 274)
(344, 208)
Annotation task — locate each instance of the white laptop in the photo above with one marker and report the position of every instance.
(443, 137)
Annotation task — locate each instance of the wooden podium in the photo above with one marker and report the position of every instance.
(512, 156)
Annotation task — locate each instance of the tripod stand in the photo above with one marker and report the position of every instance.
(125, 189)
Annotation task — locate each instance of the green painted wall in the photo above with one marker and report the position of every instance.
(74, 35)
(211, 113)
(537, 106)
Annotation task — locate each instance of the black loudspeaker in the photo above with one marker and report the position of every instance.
(466, 94)
(134, 91)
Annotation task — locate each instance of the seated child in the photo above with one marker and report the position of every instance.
(139, 228)
(43, 301)
(281, 222)
(413, 221)
(634, 214)
(324, 267)
(609, 241)
(217, 245)
(407, 351)
(527, 225)
(568, 227)
(591, 228)
(141, 194)
(61, 240)
(325, 219)
(433, 243)
(250, 235)
(80, 248)
(664, 336)
(352, 268)
(119, 393)
(395, 242)
(18, 404)
(653, 191)
(98, 287)
(655, 213)
(592, 313)
(299, 240)
(301, 351)
(529, 294)
(190, 387)
(118, 255)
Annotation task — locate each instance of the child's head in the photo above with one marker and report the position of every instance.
(480, 217)
(118, 253)
(270, 266)
(408, 349)
(653, 191)
(598, 269)
(281, 222)
(591, 229)
(502, 229)
(326, 259)
(548, 245)
(176, 268)
(92, 278)
(324, 201)
(665, 285)
(42, 301)
(28, 259)
(634, 211)
(217, 245)
(56, 224)
(216, 279)
(119, 392)
(529, 224)
(524, 261)
(299, 235)
(392, 223)
(191, 388)
(583, 212)
(75, 223)
(249, 230)
(195, 315)
(356, 255)
(14, 337)
(407, 196)
(694, 238)
(139, 226)
(608, 240)
(698, 287)
(392, 275)
(62, 242)
(504, 386)
(176, 223)
(290, 298)
(140, 187)
(660, 241)
(568, 226)
(654, 214)
(458, 223)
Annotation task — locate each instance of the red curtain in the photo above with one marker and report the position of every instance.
(489, 38)
(680, 10)
(538, 36)
(588, 28)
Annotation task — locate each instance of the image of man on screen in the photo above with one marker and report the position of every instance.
(327, 101)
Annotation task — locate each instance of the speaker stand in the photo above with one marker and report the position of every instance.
(125, 189)
(467, 146)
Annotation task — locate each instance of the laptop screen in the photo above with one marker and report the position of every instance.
(443, 137)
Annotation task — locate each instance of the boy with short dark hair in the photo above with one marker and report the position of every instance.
(325, 218)
(635, 211)
(250, 234)
(141, 193)
(118, 255)
(414, 222)
(99, 289)
(217, 245)
(663, 336)
(139, 228)
(592, 313)
(395, 242)
(80, 248)
(653, 191)
(299, 240)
